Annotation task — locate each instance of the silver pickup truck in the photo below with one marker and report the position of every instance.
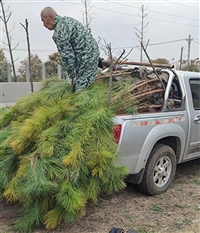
(152, 144)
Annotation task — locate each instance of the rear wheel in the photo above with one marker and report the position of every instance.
(160, 170)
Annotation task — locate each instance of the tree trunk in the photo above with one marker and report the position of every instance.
(8, 39)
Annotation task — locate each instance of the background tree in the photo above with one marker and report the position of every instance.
(36, 68)
(5, 18)
(3, 67)
(87, 15)
(51, 66)
(192, 66)
(29, 52)
(140, 32)
(160, 61)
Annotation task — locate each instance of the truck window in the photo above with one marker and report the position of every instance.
(175, 96)
(195, 91)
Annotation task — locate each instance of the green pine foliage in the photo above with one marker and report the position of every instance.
(123, 100)
(57, 153)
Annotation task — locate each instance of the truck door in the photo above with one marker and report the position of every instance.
(194, 149)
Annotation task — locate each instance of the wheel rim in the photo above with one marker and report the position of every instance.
(162, 171)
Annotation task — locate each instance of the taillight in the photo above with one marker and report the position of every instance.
(116, 130)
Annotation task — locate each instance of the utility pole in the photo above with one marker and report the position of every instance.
(181, 58)
(189, 44)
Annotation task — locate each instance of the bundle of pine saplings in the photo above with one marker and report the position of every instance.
(58, 153)
(57, 150)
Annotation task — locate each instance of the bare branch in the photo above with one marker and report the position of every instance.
(119, 57)
(146, 25)
(23, 26)
(152, 65)
(10, 37)
(8, 9)
(147, 44)
(8, 17)
(111, 73)
(4, 43)
(99, 39)
(124, 59)
(15, 46)
(139, 36)
(104, 47)
(12, 29)
(16, 59)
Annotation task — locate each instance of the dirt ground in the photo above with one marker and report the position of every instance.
(176, 211)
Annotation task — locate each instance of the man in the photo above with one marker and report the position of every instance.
(78, 48)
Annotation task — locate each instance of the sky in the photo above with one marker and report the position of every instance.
(168, 25)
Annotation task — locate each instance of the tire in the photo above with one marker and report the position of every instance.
(160, 170)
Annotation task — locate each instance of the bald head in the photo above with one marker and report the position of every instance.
(48, 11)
(48, 15)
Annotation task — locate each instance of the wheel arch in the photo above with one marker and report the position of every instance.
(172, 135)
(174, 142)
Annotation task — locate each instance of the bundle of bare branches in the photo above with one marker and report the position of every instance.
(136, 89)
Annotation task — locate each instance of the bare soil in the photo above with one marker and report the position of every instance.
(176, 211)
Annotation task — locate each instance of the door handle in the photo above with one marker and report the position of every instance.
(197, 119)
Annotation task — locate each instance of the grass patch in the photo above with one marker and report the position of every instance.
(191, 193)
(197, 182)
(178, 181)
(178, 206)
(180, 189)
(158, 197)
(146, 229)
(192, 174)
(156, 208)
(187, 221)
(127, 216)
(178, 225)
(197, 208)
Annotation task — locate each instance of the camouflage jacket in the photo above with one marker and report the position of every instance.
(74, 42)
